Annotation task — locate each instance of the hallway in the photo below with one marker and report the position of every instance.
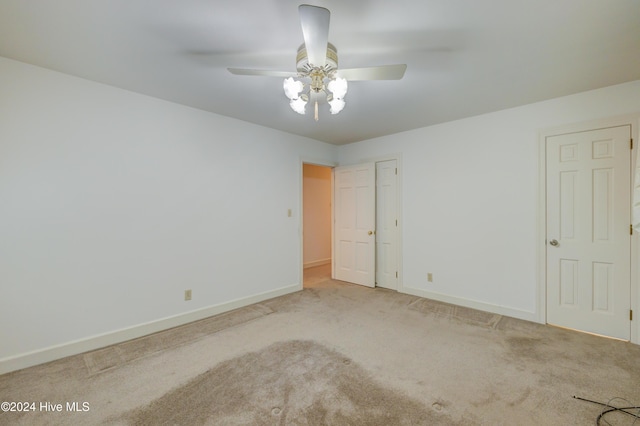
(316, 275)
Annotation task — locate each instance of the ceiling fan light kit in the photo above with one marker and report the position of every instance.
(317, 64)
(292, 88)
(316, 78)
(337, 87)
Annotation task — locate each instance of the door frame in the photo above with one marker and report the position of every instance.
(632, 120)
(398, 158)
(397, 234)
(315, 162)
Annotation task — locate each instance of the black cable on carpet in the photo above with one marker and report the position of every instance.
(611, 409)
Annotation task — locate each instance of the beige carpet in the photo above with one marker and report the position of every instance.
(339, 354)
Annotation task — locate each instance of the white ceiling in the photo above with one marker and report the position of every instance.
(464, 57)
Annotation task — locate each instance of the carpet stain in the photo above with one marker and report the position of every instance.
(289, 383)
(526, 347)
(440, 405)
(521, 398)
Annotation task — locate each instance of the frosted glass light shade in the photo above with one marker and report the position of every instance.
(337, 105)
(298, 105)
(338, 88)
(292, 88)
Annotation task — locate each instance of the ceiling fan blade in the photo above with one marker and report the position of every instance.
(315, 30)
(264, 73)
(384, 72)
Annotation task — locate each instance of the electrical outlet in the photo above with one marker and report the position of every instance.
(187, 295)
(430, 277)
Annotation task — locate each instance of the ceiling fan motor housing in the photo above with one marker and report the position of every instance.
(302, 60)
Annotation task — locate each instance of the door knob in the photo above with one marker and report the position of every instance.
(554, 243)
(370, 232)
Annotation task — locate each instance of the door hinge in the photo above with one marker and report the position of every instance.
(630, 314)
(631, 143)
(631, 229)
(396, 274)
(396, 222)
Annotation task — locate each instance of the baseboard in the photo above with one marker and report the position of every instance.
(317, 263)
(473, 304)
(53, 353)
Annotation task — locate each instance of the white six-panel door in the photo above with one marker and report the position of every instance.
(588, 231)
(386, 224)
(354, 227)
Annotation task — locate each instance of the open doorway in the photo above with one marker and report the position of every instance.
(316, 224)
(320, 255)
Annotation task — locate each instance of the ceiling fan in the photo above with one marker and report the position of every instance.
(317, 67)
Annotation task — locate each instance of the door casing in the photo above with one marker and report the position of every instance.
(398, 158)
(386, 263)
(588, 216)
(315, 161)
(632, 120)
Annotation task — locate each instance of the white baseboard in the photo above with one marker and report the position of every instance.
(473, 304)
(75, 347)
(317, 263)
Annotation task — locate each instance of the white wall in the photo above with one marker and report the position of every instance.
(113, 203)
(316, 214)
(470, 198)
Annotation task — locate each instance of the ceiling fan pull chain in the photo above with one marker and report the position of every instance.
(316, 112)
